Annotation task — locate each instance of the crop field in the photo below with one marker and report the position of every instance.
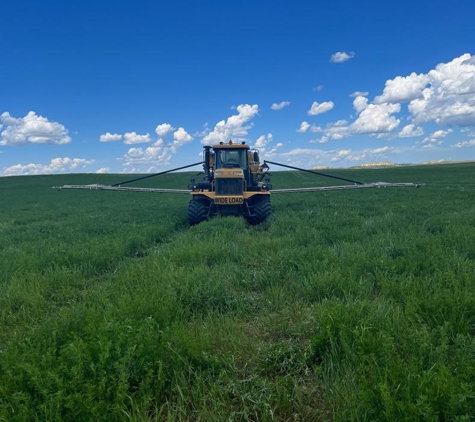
(356, 305)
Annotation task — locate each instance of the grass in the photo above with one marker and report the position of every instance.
(355, 305)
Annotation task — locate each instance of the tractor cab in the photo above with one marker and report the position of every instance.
(231, 158)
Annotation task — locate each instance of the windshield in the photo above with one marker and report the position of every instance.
(231, 158)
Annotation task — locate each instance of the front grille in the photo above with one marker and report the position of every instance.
(229, 186)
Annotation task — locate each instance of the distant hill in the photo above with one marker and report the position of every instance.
(378, 164)
(386, 164)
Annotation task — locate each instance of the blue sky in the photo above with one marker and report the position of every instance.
(141, 86)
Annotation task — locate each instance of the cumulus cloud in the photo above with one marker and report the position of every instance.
(440, 133)
(320, 108)
(153, 156)
(322, 140)
(265, 147)
(308, 157)
(110, 137)
(180, 138)
(280, 106)
(304, 126)
(437, 136)
(235, 127)
(450, 97)
(158, 154)
(340, 154)
(56, 165)
(373, 119)
(134, 138)
(401, 89)
(360, 103)
(164, 129)
(376, 118)
(359, 94)
(410, 131)
(263, 140)
(315, 129)
(464, 144)
(445, 95)
(31, 129)
(341, 56)
(103, 170)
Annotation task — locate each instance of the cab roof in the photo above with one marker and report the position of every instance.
(231, 145)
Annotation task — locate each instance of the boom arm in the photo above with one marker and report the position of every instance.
(357, 185)
(348, 187)
(118, 186)
(107, 187)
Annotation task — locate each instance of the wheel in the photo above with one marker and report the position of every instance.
(260, 210)
(197, 212)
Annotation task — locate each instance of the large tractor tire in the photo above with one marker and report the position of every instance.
(260, 210)
(197, 212)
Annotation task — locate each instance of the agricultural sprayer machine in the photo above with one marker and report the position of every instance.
(234, 183)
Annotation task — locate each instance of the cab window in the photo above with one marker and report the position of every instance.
(231, 158)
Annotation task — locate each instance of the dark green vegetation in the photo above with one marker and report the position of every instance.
(355, 305)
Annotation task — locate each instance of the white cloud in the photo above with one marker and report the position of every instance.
(436, 136)
(310, 158)
(234, 127)
(280, 106)
(320, 108)
(450, 98)
(56, 165)
(341, 56)
(153, 155)
(464, 144)
(103, 170)
(318, 88)
(31, 129)
(379, 150)
(376, 118)
(315, 129)
(158, 154)
(202, 133)
(180, 138)
(263, 140)
(338, 130)
(410, 131)
(134, 138)
(360, 103)
(445, 95)
(359, 94)
(467, 130)
(304, 126)
(110, 137)
(441, 133)
(263, 144)
(323, 140)
(340, 123)
(402, 89)
(342, 153)
(164, 129)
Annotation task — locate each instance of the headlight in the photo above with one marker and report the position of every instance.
(218, 173)
(237, 173)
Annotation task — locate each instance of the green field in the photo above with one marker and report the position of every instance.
(356, 305)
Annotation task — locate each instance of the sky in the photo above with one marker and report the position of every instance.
(140, 86)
